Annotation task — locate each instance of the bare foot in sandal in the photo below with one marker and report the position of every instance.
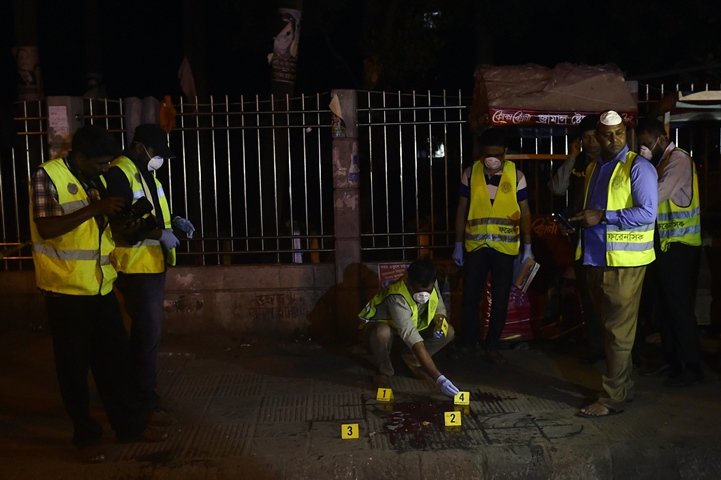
(597, 409)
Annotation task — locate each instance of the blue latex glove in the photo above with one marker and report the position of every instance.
(458, 254)
(527, 253)
(446, 386)
(184, 225)
(168, 239)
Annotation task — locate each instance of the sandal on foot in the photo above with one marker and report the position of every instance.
(596, 410)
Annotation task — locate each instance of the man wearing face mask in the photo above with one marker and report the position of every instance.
(413, 309)
(491, 219)
(145, 247)
(678, 250)
(71, 250)
(615, 246)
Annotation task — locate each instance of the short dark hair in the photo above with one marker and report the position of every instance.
(589, 122)
(492, 137)
(650, 125)
(422, 271)
(94, 141)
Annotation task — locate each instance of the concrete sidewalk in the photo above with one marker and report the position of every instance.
(254, 409)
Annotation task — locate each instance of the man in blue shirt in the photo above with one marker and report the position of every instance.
(616, 244)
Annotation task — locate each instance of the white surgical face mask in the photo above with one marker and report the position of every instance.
(645, 152)
(421, 297)
(155, 163)
(492, 163)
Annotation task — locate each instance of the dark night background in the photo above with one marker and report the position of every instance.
(142, 43)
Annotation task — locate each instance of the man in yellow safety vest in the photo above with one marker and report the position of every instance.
(413, 310)
(615, 245)
(678, 250)
(492, 218)
(145, 247)
(71, 252)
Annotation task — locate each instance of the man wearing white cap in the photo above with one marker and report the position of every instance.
(615, 246)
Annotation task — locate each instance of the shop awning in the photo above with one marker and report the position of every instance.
(533, 95)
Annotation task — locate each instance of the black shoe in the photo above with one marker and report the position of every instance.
(92, 453)
(381, 381)
(686, 378)
(460, 353)
(663, 369)
(159, 418)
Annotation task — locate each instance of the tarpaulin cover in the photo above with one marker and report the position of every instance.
(536, 95)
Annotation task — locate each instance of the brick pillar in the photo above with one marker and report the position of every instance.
(346, 204)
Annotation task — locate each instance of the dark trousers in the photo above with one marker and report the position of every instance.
(477, 265)
(676, 277)
(144, 294)
(88, 334)
(594, 332)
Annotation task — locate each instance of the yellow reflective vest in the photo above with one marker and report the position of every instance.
(146, 256)
(76, 262)
(629, 247)
(680, 224)
(399, 287)
(494, 225)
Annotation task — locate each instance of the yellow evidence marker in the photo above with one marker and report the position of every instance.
(444, 326)
(462, 398)
(384, 395)
(349, 431)
(452, 419)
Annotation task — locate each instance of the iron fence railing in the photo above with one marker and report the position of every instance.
(255, 173)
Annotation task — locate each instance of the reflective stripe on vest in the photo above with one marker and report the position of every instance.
(629, 247)
(680, 224)
(77, 262)
(494, 225)
(146, 256)
(368, 314)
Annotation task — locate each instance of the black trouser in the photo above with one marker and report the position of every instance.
(594, 331)
(476, 266)
(143, 294)
(88, 334)
(676, 278)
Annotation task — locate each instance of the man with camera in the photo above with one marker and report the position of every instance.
(71, 249)
(145, 246)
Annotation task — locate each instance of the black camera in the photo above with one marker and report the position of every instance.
(140, 208)
(133, 223)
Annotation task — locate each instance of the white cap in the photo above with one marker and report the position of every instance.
(610, 118)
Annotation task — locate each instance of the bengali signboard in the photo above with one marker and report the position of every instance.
(390, 272)
(525, 117)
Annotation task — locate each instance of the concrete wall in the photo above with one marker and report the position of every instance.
(265, 300)
(262, 300)
(256, 300)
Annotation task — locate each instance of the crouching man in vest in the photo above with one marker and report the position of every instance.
(412, 309)
(145, 247)
(616, 244)
(71, 253)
